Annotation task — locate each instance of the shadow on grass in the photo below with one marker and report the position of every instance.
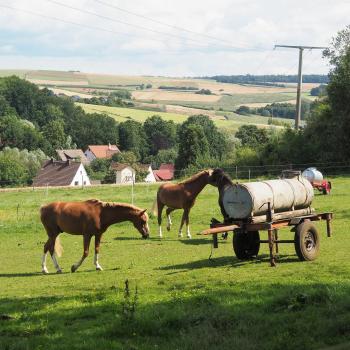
(250, 316)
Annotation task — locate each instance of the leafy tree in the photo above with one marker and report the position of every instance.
(163, 156)
(216, 140)
(127, 157)
(243, 110)
(327, 132)
(133, 138)
(161, 134)
(14, 132)
(252, 136)
(54, 131)
(193, 146)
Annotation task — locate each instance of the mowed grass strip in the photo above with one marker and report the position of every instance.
(184, 300)
(122, 114)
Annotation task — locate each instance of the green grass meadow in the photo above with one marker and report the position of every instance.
(183, 300)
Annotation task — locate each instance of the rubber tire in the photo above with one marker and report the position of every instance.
(301, 233)
(246, 244)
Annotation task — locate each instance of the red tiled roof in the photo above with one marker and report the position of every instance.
(56, 173)
(170, 167)
(103, 151)
(165, 172)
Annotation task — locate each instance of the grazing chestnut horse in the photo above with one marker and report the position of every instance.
(180, 196)
(89, 218)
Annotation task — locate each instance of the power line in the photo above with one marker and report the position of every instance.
(123, 22)
(168, 25)
(75, 23)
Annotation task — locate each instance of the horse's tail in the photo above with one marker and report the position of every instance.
(58, 247)
(155, 206)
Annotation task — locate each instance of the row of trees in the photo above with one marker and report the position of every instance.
(280, 110)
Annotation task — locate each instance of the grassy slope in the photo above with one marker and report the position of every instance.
(185, 301)
(123, 114)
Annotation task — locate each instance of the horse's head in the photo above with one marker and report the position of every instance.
(216, 176)
(141, 223)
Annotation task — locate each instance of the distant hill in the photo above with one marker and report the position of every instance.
(268, 79)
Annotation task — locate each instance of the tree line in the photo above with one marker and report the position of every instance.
(266, 79)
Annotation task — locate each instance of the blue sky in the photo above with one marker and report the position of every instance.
(220, 37)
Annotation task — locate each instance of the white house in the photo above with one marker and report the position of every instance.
(150, 175)
(123, 173)
(59, 173)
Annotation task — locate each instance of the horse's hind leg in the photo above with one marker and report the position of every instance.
(187, 219)
(169, 223)
(87, 239)
(50, 246)
(160, 210)
(182, 223)
(97, 251)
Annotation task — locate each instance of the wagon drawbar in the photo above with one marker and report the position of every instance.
(246, 236)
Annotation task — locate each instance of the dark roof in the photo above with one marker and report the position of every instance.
(56, 173)
(66, 154)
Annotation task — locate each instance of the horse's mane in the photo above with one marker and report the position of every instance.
(112, 204)
(222, 177)
(194, 177)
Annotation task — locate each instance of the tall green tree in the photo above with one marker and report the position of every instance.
(193, 146)
(133, 138)
(161, 134)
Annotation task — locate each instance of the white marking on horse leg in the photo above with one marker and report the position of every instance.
(180, 232)
(43, 264)
(55, 262)
(98, 266)
(169, 222)
(160, 232)
(188, 231)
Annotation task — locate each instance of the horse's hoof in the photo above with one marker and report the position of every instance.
(189, 237)
(73, 268)
(45, 271)
(168, 228)
(59, 271)
(99, 268)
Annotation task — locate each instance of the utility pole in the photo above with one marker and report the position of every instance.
(300, 76)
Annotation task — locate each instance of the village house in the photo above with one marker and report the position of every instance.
(165, 172)
(59, 173)
(72, 154)
(101, 151)
(124, 173)
(147, 168)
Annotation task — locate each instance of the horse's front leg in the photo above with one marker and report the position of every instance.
(87, 239)
(97, 251)
(169, 223)
(187, 219)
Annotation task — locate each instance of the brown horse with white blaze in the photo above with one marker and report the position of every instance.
(88, 218)
(180, 196)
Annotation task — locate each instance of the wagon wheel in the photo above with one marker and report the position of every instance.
(246, 244)
(307, 241)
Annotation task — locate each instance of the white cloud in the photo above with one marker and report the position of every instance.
(27, 41)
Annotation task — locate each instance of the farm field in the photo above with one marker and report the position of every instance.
(231, 125)
(184, 300)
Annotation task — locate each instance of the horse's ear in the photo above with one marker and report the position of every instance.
(142, 212)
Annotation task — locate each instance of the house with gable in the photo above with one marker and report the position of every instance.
(101, 151)
(59, 173)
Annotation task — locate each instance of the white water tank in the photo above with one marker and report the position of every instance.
(246, 200)
(312, 174)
